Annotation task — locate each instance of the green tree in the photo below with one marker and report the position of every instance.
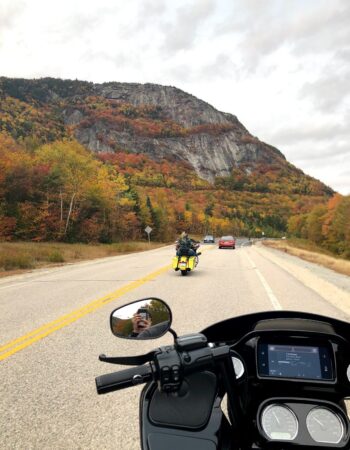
(314, 223)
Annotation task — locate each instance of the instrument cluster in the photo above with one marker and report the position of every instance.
(311, 373)
(320, 424)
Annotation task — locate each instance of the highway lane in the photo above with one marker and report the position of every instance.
(48, 398)
(55, 292)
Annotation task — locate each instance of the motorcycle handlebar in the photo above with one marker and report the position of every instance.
(123, 379)
(199, 359)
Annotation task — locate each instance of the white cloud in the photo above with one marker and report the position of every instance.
(181, 33)
(328, 92)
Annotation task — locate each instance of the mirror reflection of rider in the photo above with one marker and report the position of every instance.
(140, 323)
(155, 330)
(186, 246)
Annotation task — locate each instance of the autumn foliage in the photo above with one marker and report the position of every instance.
(58, 192)
(327, 225)
(53, 188)
(61, 191)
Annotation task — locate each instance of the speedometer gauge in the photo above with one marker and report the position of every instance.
(325, 426)
(279, 423)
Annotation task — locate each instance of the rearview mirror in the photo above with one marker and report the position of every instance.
(148, 318)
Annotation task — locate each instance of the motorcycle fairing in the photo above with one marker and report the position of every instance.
(188, 408)
(161, 441)
(193, 422)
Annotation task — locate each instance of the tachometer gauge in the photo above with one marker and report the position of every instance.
(279, 423)
(325, 426)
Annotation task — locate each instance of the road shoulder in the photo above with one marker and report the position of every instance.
(332, 286)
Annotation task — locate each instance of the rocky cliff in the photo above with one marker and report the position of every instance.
(213, 142)
(160, 121)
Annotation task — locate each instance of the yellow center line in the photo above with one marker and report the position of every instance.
(24, 341)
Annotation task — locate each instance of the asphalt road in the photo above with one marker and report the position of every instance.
(55, 323)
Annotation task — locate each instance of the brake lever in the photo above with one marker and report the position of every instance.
(128, 360)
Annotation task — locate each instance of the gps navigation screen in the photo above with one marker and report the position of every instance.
(294, 361)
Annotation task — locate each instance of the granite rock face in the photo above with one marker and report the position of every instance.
(210, 154)
(179, 106)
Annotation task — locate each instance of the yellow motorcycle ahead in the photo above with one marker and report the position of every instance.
(186, 263)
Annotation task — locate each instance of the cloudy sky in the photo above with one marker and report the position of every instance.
(281, 66)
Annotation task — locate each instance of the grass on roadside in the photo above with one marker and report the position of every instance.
(16, 256)
(310, 252)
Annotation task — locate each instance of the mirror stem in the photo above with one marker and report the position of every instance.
(173, 333)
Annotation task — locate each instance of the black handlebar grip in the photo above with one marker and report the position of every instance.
(123, 379)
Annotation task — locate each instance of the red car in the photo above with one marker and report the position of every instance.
(227, 242)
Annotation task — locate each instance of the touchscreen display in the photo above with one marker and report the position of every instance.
(294, 361)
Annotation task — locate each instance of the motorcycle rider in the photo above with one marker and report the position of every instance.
(185, 246)
(140, 324)
(154, 331)
(144, 329)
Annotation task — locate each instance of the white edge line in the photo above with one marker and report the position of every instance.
(273, 299)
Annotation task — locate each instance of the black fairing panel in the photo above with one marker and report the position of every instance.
(188, 408)
(160, 441)
(187, 424)
(234, 328)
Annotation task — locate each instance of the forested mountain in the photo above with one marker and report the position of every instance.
(99, 162)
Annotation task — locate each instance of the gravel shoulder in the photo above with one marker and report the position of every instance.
(332, 286)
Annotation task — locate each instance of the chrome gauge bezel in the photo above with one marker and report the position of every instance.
(238, 364)
(267, 409)
(334, 416)
(330, 434)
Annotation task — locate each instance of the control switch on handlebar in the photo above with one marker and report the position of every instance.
(168, 365)
(176, 374)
